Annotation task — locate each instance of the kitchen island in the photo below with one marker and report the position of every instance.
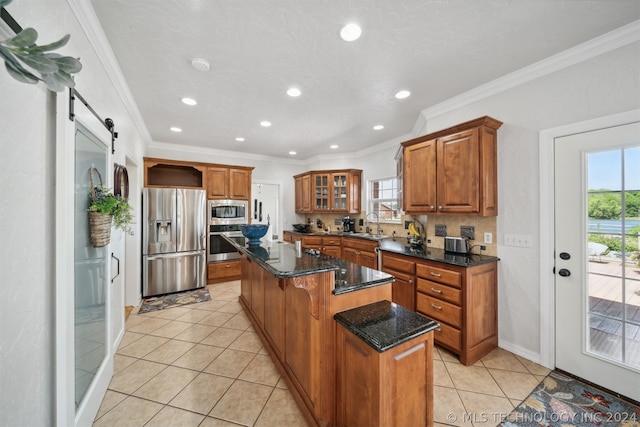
(291, 301)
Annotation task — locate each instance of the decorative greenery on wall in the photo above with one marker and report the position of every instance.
(29, 63)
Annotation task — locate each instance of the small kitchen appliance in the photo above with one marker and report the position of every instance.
(348, 224)
(456, 245)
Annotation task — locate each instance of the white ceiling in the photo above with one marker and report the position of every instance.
(259, 48)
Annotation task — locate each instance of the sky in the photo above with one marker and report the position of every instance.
(604, 169)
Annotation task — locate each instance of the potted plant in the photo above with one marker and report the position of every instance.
(105, 210)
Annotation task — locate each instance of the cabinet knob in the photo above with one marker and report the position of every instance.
(439, 207)
(437, 291)
(410, 280)
(439, 329)
(437, 307)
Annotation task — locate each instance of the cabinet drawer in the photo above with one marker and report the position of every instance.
(439, 310)
(311, 241)
(217, 270)
(442, 275)
(439, 291)
(363, 245)
(398, 264)
(331, 241)
(448, 336)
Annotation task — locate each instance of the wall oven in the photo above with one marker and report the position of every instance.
(227, 212)
(219, 248)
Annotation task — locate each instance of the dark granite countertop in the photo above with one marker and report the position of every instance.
(279, 259)
(384, 325)
(399, 246)
(363, 236)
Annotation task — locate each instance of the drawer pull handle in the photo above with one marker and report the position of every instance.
(435, 274)
(437, 291)
(227, 266)
(437, 307)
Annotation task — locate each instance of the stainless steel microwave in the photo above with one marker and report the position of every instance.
(222, 212)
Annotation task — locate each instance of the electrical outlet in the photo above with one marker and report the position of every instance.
(483, 248)
(406, 225)
(488, 238)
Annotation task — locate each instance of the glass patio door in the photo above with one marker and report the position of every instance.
(597, 202)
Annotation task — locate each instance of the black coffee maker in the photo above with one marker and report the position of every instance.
(348, 224)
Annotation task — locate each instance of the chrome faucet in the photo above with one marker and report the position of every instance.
(378, 229)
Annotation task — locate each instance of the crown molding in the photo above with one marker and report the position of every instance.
(92, 28)
(608, 42)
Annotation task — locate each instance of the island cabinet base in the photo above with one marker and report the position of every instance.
(392, 388)
(294, 319)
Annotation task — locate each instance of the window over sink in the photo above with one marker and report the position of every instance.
(382, 199)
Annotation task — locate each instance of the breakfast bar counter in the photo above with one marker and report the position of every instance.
(291, 299)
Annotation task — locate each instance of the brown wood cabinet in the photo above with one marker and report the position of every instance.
(294, 319)
(465, 302)
(328, 245)
(360, 251)
(331, 191)
(403, 268)
(393, 388)
(453, 171)
(288, 236)
(303, 193)
(223, 271)
(229, 182)
(173, 173)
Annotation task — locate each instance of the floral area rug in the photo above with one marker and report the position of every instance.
(174, 300)
(560, 401)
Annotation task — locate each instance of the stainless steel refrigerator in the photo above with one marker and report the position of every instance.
(174, 239)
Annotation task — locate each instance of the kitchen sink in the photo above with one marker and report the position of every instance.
(371, 236)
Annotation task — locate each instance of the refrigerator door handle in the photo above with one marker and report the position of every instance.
(172, 255)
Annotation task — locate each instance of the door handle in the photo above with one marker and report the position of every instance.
(564, 272)
(118, 271)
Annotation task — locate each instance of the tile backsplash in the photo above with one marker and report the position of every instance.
(453, 226)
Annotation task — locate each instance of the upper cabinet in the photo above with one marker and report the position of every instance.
(331, 191)
(173, 173)
(453, 171)
(229, 182)
(220, 181)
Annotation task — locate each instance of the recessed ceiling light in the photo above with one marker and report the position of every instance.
(240, 139)
(403, 94)
(265, 123)
(175, 129)
(378, 127)
(294, 92)
(350, 32)
(189, 101)
(293, 153)
(200, 64)
(334, 146)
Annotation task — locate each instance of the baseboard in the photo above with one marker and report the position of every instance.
(522, 352)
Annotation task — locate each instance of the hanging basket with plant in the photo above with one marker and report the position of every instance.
(106, 209)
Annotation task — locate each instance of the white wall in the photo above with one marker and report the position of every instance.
(27, 208)
(598, 87)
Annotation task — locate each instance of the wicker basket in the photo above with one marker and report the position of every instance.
(99, 223)
(100, 229)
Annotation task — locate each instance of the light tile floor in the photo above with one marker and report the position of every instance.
(203, 365)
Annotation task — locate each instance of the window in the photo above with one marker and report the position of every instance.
(383, 199)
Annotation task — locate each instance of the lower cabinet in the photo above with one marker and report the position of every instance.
(392, 388)
(360, 251)
(403, 269)
(465, 302)
(223, 271)
(274, 318)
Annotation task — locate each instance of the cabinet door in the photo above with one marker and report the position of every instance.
(239, 184)
(274, 312)
(298, 191)
(350, 255)
(368, 259)
(306, 193)
(419, 177)
(334, 251)
(217, 183)
(245, 281)
(257, 292)
(321, 192)
(340, 192)
(300, 339)
(458, 177)
(403, 290)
